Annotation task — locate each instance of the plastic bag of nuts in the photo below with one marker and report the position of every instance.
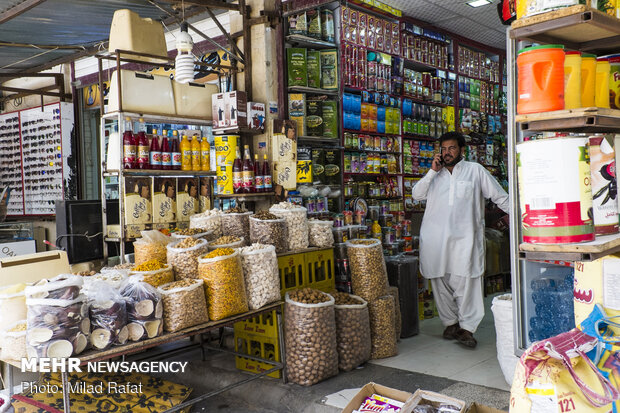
(184, 304)
(368, 272)
(157, 275)
(224, 286)
(393, 291)
(320, 233)
(152, 246)
(227, 241)
(183, 256)
(209, 221)
(310, 336)
(260, 270)
(193, 233)
(236, 224)
(382, 330)
(352, 330)
(266, 228)
(13, 341)
(296, 224)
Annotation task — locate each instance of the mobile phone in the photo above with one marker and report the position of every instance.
(441, 161)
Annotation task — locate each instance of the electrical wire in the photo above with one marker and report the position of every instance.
(85, 235)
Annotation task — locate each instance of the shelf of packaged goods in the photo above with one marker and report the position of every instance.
(372, 151)
(243, 196)
(157, 172)
(576, 27)
(464, 75)
(420, 138)
(419, 66)
(586, 120)
(320, 140)
(155, 118)
(353, 89)
(234, 131)
(413, 175)
(367, 174)
(416, 99)
(305, 41)
(360, 132)
(377, 198)
(315, 90)
(586, 251)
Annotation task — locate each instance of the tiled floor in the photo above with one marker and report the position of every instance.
(429, 353)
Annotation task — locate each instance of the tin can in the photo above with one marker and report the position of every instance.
(341, 234)
(386, 220)
(311, 205)
(354, 231)
(406, 228)
(358, 218)
(408, 244)
(385, 207)
(348, 218)
(338, 221)
(398, 231)
(388, 235)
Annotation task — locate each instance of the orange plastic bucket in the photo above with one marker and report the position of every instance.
(540, 79)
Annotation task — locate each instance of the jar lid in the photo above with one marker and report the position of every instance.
(544, 46)
(573, 53)
(588, 56)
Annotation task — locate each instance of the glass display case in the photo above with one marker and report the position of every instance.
(17, 238)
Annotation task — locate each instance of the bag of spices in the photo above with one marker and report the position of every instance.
(152, 246)
(154, 272)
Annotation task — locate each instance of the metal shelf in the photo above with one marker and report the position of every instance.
(587, 251)
(243, 196)
(575, 120)
(306, 41)
(157, 172)
(420, 138)
(305, 89)
(320, 139)
(229, 131)
(576, 27)
(372, 151)
(370, 174)
(361, 132)
(158, 118)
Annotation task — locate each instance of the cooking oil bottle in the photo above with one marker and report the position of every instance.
(195, 153)
(186, 154)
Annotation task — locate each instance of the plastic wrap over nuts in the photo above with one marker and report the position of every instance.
(382, 331)
(368, 272)
(236, 224)
(152, 246)
(224, 285)
(184, 304)
(310, 341)
(183, 256)
(209, 221)
(270, 232)
(352, 333)
(156, 277)
(260, 270)
(393, 291)
(57, 328)
(296, 224)
(320, 233)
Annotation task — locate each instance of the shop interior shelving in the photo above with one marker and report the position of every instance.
(577, 28)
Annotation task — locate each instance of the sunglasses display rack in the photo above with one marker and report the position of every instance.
(34, 147)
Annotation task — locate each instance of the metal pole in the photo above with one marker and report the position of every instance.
(65, 392)
(281, 341)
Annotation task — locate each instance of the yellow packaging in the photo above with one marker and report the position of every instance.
(225, 149)
(205, 155)
(614, 82)
(137, 203)
(572, 80)
(594, 284)
(195, 145)
(601, 97)
(588, 76)
(164, 200)
(186, 154)
(187, 198)
(304, 172)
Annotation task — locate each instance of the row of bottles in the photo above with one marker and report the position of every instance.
(248, 176)
(190, 154)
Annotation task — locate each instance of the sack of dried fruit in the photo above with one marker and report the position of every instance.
(183, 256)
(152, 246)
(352, 330)
(368, 272)
(260, 270)
(184, 304)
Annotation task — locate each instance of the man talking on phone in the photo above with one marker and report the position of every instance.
(452, 252)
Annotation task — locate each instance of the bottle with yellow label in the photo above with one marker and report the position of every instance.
(205, 155)
(186, 154)
(195, 153)
(376, 230)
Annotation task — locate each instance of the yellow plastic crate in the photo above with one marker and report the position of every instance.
(320, 270)
(257, 346)
(265, 325)
(292, 273)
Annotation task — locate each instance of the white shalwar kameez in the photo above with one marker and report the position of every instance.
(452, 251)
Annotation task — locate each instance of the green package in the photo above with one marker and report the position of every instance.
(318, 165)
(332, 167)
(297, 24)
(314, 118)
(297, 66)
(329, 69)
(313, 17)
(313, 60)
(330, 118)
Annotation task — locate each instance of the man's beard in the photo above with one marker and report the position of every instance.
(454, 161)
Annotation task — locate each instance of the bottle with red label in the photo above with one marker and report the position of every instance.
(248, 171)
(166, 154)
(258, 175)
(155, 152)
(175, 150)
(129, 146)
(266, 173)
(237, 173)
(142, 146)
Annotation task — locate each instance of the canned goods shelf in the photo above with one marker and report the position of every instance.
(305, 89)
(369, 174)
(574, 120)
(419, 138)
(306, 41)
(371, 151)
(363, 132)
(586, 251)
(251, 195)
(416, 99)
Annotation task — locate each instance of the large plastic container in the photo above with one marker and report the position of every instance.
(193, 99)
(142, 93)
(588, 76)
(540, 79)
(132, 33)
(572, 80)
(601, 96)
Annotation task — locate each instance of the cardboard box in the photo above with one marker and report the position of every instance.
(187, 198)
(256, 115)
(373, 388)
(204, 197)
(236, 106)
(218, 109)
(421, 397)
(285, 174)
(284, 141)
(164, 200)
(297, 111)
(137, 196)
(481, 408)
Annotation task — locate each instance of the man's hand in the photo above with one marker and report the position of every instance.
(437, 165)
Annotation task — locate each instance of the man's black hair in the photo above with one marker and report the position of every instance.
(453, 136)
